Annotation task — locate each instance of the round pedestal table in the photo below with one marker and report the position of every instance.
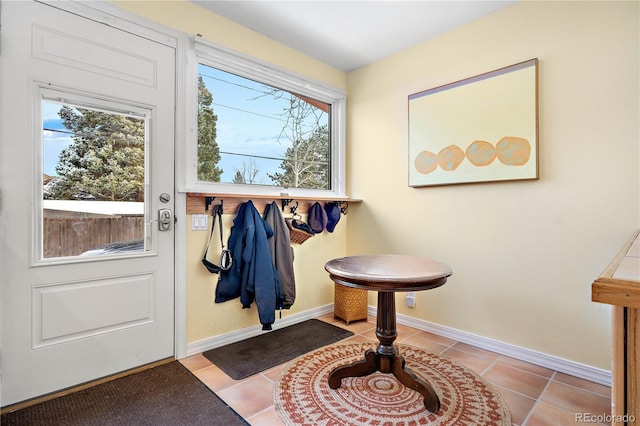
(387, 274)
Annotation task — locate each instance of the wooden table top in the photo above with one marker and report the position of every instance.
(388, 272)
(619, 284)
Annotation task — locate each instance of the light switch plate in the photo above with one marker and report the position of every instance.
(199, 222)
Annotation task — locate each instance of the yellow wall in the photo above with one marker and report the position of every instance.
(524, 253)
(192, 19)
(206, 319)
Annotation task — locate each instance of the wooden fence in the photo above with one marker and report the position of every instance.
(72, 236)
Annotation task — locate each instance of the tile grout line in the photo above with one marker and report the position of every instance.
(493, 363)
(258, 413)
(581, 389)
(535, 404)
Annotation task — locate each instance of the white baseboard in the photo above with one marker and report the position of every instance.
(245, 333)
(552, 362)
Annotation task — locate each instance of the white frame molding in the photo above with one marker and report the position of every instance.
(573, 368)
(562, 365)
(44, 91)
(226, 60)
(204, 345)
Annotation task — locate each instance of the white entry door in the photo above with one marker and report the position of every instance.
(86, 201)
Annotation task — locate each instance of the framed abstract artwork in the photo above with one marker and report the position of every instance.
(480, 129)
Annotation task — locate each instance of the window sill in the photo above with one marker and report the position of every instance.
(197, 202)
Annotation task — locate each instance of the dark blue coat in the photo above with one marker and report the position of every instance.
(252, 276)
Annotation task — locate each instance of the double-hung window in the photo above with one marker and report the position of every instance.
(263, 130)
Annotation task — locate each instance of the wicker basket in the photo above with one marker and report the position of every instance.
(297, 236)
(350, 304)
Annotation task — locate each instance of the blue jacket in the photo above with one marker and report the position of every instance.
(252, 275)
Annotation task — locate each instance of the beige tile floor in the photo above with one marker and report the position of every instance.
(535, 395)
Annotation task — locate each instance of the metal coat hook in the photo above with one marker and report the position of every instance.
(344, 207)
(207, 202)
(294, 208)
(285, 202)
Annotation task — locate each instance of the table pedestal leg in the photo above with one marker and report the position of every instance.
(410, 380)
(386, 358)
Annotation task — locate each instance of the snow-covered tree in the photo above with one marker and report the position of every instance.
(306, 163)
(106, 159)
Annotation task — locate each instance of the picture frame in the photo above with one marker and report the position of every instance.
(480, 129)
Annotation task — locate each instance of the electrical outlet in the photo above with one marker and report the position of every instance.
(410, 299)
(199, 222)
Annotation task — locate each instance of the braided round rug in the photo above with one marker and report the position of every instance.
(303, 397)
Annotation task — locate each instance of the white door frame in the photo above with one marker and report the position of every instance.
(118, 18)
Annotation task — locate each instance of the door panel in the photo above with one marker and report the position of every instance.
(68, 320)
(60, 47)
(70, 311)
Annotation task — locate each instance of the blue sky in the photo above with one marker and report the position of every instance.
(53, 142)
(243, 132)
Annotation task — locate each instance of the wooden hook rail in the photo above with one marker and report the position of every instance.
(199, 203)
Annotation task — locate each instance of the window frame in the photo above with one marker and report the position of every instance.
(47, 92)
(209, 54)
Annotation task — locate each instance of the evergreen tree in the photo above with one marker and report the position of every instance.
(238, 177)
(306, 163)
(106, 159)
(208, 150)
(248, 173)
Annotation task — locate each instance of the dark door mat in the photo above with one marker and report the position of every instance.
(247, 357)
(165, 395)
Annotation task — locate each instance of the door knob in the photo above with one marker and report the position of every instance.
(165, 217)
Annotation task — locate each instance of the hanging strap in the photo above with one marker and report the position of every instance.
(214, 269)
(217, 211)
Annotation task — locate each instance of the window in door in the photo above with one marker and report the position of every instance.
(93, 172)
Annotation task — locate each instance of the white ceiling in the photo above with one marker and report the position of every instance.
(351, 34)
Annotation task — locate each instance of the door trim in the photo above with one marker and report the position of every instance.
(111, 15)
